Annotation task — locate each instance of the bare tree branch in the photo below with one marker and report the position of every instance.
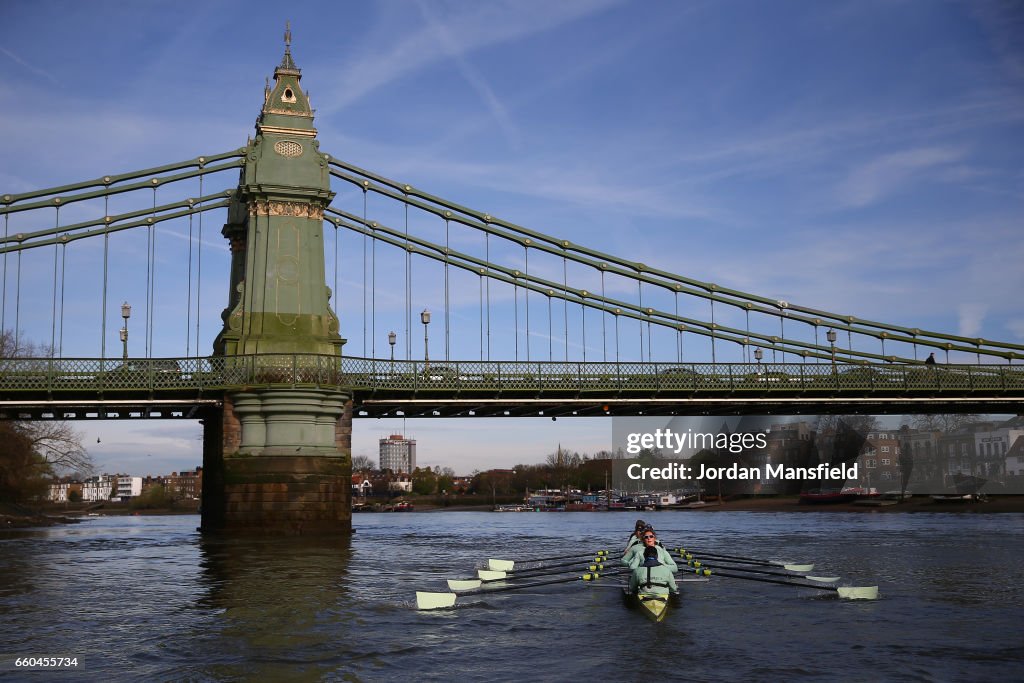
(59, 445)
(55, 442)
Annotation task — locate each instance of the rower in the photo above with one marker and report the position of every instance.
(634, 538)
(650, 575)
(649, 539)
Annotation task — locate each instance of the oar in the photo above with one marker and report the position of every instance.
(509, 565)
(490, 575)
(750, 560)
(849, 592)
(495, 565)
(425, 600)
(695, 563)
(685, 579)
(487, 576)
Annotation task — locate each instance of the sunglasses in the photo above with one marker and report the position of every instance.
(646, 536)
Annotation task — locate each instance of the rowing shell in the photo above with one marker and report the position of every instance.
(653, 605)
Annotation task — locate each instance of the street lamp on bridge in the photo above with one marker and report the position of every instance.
(392, 338)
(126, 312)
(831, 334)
(758, 355)
(425, 319)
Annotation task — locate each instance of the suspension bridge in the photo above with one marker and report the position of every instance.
(523, 323)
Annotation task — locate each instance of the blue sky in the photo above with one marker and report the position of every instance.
(861, 157)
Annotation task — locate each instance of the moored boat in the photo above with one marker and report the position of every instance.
(959, 498)
(820, 497)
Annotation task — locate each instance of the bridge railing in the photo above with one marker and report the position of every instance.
(111, 376)
(675, 377)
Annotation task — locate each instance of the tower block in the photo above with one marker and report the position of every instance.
(279, 459)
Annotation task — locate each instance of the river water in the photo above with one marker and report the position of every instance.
(149, 598)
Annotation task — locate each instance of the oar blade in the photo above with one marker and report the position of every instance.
(426, 600)
(464, 585)
(858, 592)
(823, 579)
(487, 575)
(500, 565)
(798, 567)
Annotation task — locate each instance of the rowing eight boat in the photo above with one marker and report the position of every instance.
(653, 605)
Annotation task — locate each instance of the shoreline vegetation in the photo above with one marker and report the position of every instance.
(19, 516)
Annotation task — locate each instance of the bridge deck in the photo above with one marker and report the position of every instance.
(173, 387)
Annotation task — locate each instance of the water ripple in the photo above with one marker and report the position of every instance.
(150, 598)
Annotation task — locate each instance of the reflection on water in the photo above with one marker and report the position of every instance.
(148, 597)
(280, 599)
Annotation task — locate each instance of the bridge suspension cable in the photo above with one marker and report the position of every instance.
(518, 279)
(61, 234)
(651, 309)
(678, 284)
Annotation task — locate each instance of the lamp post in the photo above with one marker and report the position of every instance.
(831, 334)
(126, 312)
(758, 355)
(425, 319)
(392, 338)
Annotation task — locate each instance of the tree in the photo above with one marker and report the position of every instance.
(154, 497)
(445, 478)
(59, 445)
(362, 463)
(942, 422)
(35, 451)
(23, 473)
(424, 481)
(905, 464)
(862, 424)
(840, 438)
(493, 481)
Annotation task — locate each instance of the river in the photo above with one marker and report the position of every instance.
(149, 598)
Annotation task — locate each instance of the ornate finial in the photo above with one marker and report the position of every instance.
(287, 62)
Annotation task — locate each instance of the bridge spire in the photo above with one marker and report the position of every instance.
(279, 459)
(287, 62)
(285, 106)
(279, 300)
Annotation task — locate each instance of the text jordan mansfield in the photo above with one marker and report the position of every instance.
(682, 472)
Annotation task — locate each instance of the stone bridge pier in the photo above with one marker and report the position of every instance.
(277, 454)
(278, 462)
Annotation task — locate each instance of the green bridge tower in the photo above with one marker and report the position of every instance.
(279, 459)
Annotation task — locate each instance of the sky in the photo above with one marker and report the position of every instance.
(864, 157)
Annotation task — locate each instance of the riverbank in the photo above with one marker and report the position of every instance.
(13, 516)
(994, 504)
(19, 517)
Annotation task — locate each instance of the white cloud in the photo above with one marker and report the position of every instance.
(887, 174)
(33, 69)
(971, 317)
(478, 25)
(1003, 23)
(471, 74)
